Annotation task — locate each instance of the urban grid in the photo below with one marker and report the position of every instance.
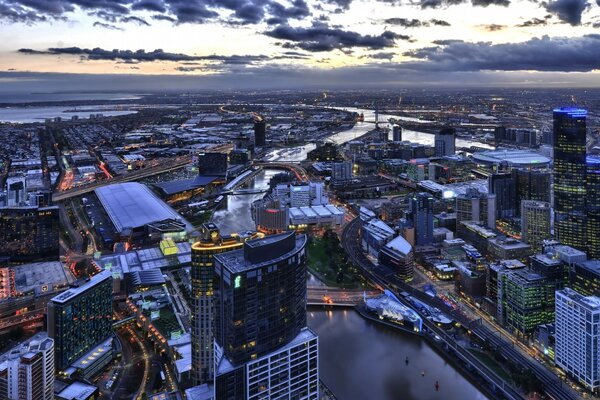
(335, 214)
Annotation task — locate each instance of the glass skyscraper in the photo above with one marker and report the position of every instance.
(570, 176)
(593, 206)
(202, 272)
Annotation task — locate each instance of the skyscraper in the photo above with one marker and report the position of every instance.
(202, 273)
(476, 206)
(570, 176)
(593, 206)
(341, 171)
(81, 318)
(577, 349)
(260, 132)
(265, 348)
(535, 223)
(445, 142)
(501, 184)
(422, 215)
(397, 133)
(532, 184)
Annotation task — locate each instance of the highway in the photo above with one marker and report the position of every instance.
(165, 166)
(299, 171)
(326, 296)
(385, 277)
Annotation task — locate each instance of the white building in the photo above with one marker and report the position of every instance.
(301, 194)
(27, 370)
(577, 349)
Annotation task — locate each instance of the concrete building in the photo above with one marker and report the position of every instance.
(341, 171)
(535, 223)
(27, 370)
(585, 277)
(398, 255)
(577, 349)
(476, 206)
(444, 142)
(374, 235)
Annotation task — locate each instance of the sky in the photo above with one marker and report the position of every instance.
(213, 44)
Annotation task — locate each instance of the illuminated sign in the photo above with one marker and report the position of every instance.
(237, 282)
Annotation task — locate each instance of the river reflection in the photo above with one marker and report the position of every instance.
(362, 360)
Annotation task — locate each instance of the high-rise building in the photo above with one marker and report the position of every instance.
(592, 197)
(212, 164)
(29, 234)
(535, 223)
(397, 133)
(577, 348)
(27, 370)
(202, 273)
(570, 176)
(445, 142)
(264, 348)
(532, 184)
(585, 277)
(476, 206)
(260, 132)
(80, 318)
(341, 171)
(422, 216)
(501, 184)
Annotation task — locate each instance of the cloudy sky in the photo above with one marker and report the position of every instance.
(291, 43)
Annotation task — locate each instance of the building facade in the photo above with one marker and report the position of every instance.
(422, 216)
(577, 348)
(445, 142)
(593, 206)
(81, 318)
(570, 176)
(535, 223)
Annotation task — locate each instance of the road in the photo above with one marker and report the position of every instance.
(165, 166)
(384, 277)
(336, 296)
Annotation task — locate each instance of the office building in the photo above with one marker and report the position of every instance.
(535, 223)
(397, 133)
(592, 197)
(27, 370)
(476, 206)
(398, 255)
(532, 184)
(422, 216)
(577, 348)
(212, 164)
(374, 235)
(341, 171)
(260, 132)
(444, 142)
(585, 277)
(264, 349)
(29, 234)
(80, 318)
(508, 248)
(570, 176)
(501, 184)
(202, 274)
(527, 300)
(300, 194)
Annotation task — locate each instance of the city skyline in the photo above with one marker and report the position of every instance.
(166, 44)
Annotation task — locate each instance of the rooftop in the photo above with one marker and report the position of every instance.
(236, 260)
(77, 391)
(182, 185)
(74, 292)
(30, 277)
(400, 244)
(589, 302)
(133, 205)
(512, 156)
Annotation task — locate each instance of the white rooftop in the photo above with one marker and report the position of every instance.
(400, 244)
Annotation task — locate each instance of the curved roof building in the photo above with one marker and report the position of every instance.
(514, 157)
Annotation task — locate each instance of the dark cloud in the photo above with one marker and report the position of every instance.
(134, 19)
(568, 11)
(476, 3)
(322, 37)
(539, 54)
(486, 3)
(414, 23)
(535, 22)
(181, 11)
(129, 56)
(494, 27)
(107, 26)
(382, 55)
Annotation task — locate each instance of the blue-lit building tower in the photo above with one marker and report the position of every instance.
(593, 206)
(422, 214)
(570, 176)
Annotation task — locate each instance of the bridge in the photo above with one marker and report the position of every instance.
(123, 322)
(166, 166)
(336, 297)
(299, 171)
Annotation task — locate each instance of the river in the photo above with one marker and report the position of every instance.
(360, 360)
